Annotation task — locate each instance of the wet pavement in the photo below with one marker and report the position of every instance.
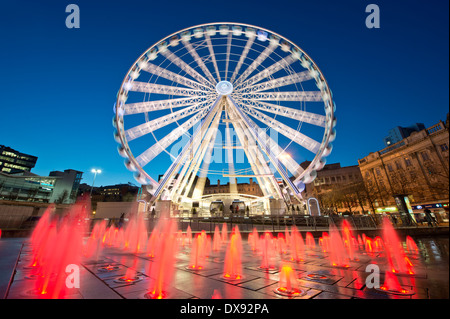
(316, 277)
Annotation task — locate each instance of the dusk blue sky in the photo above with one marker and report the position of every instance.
(58, 85)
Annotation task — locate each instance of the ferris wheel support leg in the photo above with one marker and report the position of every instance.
(176, 164)
(204, 157)
(229, 142)
(197, 150)
(256, 158)
(269, 154)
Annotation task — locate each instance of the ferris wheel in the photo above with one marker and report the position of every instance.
(184, 87)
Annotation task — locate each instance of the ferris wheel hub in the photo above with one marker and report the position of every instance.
(224, 88)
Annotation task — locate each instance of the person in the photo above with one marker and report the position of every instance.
(428, 217)
(121, 220)
(394, 219)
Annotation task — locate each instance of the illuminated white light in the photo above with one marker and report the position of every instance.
(224, 88)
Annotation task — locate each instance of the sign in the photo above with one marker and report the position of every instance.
(435, 205)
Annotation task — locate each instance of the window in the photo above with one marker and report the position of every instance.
(377, 170)
(398, 165)
(408, 161)
(333, 179)
(344, 178)
(444, 147)
(425, 156)
(390, 169)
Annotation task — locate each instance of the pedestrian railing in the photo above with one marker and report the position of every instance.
(248, 223)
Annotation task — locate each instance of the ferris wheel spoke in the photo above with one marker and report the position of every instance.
(283, 81)
(254, 155)
(296, 136)
(268, 143)
(244, 53)
(299, 115)
(199, 61)
(256, 63)
(158, 123)
(172, 57)
(204, 152)
(213, 56)
(206, 120)
(227, 62)
(163, 89)
(152, 152)
(169, 75)
(277, 66)
(302, 96)
(149, 106)
(243, 124)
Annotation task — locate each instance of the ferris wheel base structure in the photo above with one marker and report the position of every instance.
(199, 84)
(222, 205)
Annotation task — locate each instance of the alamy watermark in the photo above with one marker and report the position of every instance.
(73, 19)
(73, 276)
(373, 19)
(373, 279)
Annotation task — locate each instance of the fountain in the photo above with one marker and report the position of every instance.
(412, 248)
(198, 252)
(348, 239)
(398, 261)
(233, 259)
(267, 252)
(224, 233)
(391, 285)
(162, 268)
(217, 239)
(297, 245)
(288, 284)
(338, 254)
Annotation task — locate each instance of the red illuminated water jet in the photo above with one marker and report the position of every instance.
(198, 252)
(63, 247)
(233, 259)
(397, 259)
(217, 239)
(288, 284)
(253, 239)
(267, 252)
(224, 233)
(152, 243)
(338, 254)
(348, 239)
(162, 268)
(412, 247)
(391, 285)
(297, 245)
(281, 244)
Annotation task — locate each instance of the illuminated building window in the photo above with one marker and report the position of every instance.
(390, 169)
(408, 161)
(444, 147)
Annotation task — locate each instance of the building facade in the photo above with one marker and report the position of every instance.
(250, 188)
(59, 187)
(398, 133)
(338, 189)
(12, 161)
(416, 167)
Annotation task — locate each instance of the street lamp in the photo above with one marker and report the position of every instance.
(95, 171)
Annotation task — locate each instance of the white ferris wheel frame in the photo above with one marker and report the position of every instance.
(252, 99)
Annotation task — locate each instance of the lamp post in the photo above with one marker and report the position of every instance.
(95, 171)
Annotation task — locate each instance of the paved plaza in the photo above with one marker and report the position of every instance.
(316, 277)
